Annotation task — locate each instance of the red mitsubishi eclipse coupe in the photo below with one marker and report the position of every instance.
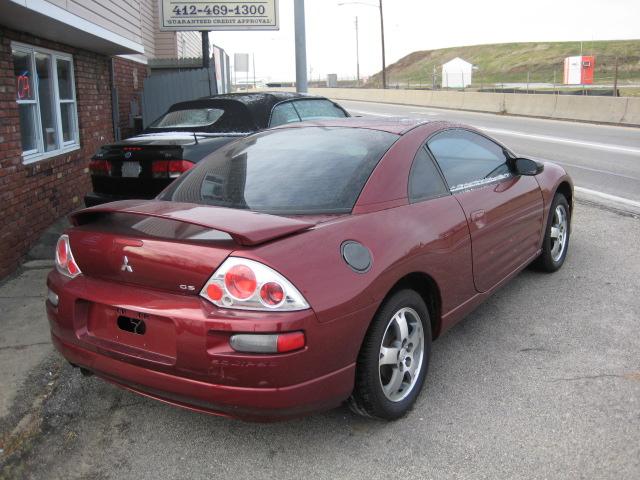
(299, 267)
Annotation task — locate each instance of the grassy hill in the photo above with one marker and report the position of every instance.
(510, 62)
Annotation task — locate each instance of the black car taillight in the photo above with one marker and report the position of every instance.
(100, 167)
(170, 168)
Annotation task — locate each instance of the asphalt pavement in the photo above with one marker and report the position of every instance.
(542, 381)
(604, 160)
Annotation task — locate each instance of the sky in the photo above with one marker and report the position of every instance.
(412, 25)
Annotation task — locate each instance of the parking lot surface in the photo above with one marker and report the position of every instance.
(542, 381)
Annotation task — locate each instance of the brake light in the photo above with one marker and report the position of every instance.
(240, 282)
(245, 284)
(61, 252)
(65, 263)
(290, 342)
(100, 167)
(170, 168)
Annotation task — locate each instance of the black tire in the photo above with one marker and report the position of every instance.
(546, 261)
(368, 397)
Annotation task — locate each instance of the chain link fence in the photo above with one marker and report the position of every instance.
(613, 75)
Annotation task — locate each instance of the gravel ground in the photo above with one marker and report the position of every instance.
(542, 381)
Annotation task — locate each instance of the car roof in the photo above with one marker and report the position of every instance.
(397, 125)
(258, 104)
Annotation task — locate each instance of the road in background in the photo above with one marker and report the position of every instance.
(601, 158)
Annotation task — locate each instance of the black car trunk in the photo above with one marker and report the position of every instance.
(136, 171)
(141, 167)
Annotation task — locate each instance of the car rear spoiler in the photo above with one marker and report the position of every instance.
(244, 226)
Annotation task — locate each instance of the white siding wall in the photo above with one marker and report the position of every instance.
(136, 20)
(173, 44)
(189, 44)
(148, 23)
(165, 42)
(118, 16)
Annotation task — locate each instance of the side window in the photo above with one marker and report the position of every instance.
(466, 157)
(424, 179)
(283, 113)
(317, 109)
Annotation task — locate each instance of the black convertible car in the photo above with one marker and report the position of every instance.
(142, 166)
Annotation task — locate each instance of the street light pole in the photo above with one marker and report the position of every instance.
(384, 63)
(301, 46)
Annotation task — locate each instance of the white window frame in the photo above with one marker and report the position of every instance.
(31, 156)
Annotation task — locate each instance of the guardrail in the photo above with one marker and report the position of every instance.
(617, 110)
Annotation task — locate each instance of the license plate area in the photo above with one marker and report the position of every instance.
(131, 169)
(132, 325)
(133, 333)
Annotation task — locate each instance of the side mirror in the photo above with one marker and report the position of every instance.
(525, 166)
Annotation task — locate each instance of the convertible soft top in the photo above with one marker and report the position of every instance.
(257, 106)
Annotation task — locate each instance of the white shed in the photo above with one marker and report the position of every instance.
(456, 73)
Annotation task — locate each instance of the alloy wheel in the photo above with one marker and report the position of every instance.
(401, 354)
(559, 233)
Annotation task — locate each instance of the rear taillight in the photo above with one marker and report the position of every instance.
(100, 167)
(170, 168)
(240, 282)
(65, 263)
(249, 285)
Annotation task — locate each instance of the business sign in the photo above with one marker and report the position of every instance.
(212, 15)
(241, 62)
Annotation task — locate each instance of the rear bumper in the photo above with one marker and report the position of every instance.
(195, 367)
(259, 404)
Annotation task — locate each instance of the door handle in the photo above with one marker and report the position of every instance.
(478, 217)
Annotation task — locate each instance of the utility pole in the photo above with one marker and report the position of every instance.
(615, 80)
(301, 46)
(357, 55)
(205, 49)
(384, 62)
(254, 70)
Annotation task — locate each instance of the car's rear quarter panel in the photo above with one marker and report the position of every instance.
(429, 237)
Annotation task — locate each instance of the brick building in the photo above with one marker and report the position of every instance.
(71, 77)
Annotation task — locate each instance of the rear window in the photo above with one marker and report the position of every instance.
(289, 171)
(214, 116)
(194, 117)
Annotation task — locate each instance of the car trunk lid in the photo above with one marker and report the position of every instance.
(166, 245)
